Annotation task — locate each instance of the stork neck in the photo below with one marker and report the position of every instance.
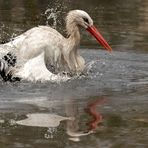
(74, 36)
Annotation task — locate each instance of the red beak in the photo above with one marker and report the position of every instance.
(99, 37)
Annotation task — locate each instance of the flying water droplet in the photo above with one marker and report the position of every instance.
(51, 15)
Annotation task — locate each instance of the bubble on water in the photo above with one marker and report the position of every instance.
(104, 63)
(50, 133)
(74, 139)
(12, 122)
(2, 121)
(101, 74)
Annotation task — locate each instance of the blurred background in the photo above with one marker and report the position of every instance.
(123, 23)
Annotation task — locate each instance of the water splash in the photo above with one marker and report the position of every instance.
(89, 71)
(51, 15)
(89, 66)
(3, 27)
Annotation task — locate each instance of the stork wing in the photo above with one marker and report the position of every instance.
(36, 70)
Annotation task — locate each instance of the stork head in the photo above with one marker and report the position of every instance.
(81, 18)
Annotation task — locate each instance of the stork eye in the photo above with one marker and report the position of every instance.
(86, 20)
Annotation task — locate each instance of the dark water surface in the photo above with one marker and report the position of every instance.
(116, 88)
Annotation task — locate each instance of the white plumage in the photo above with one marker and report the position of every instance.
(42, 47)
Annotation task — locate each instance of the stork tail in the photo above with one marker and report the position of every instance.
(6, 64)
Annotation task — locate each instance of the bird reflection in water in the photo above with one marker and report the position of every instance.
(96, 116)
(73, 129)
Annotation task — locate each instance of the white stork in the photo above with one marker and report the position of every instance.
(43, 46)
